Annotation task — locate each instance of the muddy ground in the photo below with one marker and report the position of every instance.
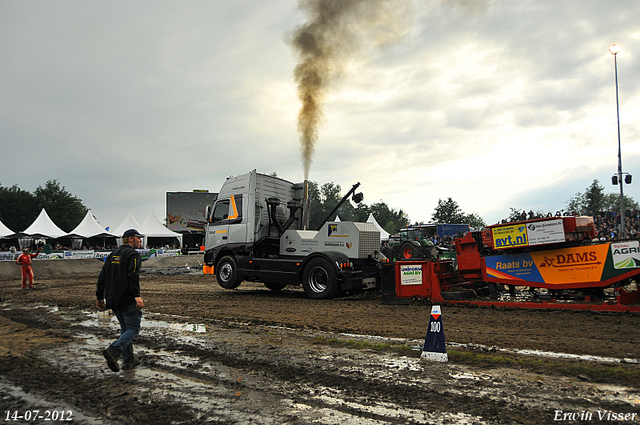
(250, 355)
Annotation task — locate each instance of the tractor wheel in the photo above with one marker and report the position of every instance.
(319, 279)
(409, 251)
(227, 273)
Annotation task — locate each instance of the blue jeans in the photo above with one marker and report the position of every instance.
(129, 319)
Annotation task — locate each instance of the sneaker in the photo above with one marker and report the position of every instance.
(112, 360)
(131, 363)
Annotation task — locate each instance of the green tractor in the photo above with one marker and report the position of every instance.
(416, 243)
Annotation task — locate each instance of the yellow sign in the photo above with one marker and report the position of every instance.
(509, 236)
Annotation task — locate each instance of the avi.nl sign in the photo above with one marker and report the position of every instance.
(528, 234)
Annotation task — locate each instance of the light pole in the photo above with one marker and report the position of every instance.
(613, 49)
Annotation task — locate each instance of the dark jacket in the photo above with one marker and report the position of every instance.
(119, 280)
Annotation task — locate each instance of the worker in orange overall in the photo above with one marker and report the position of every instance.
(24, 261)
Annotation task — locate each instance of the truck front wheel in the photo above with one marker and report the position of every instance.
(227, 273)
(319, 279)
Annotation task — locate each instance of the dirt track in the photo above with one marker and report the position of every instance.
(250, 355)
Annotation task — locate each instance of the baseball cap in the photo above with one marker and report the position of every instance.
(131, 232)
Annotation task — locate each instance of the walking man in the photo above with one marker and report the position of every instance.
(119, 290)
(24, 260)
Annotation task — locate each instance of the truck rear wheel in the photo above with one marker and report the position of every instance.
(319, 279)
(227, 273)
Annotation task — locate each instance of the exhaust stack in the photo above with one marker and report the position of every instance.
(305, 206)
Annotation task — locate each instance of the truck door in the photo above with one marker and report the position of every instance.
(226, 226)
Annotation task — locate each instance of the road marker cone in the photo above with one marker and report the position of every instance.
(434, 346)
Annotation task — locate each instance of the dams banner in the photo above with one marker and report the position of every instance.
(565, 268)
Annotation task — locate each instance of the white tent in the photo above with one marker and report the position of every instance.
(43, 227)
(5, 231)
(89, 228)
(128, 223)
(384, 235)
(152, 227)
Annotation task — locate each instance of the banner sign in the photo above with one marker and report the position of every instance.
(584, 264)
(74, 255)
(101, 254)
(147, 253)
(79, 254)
(509, 236)
(522, 234)
(625, 255)
(411, 274)
(186, 211)
(541, 232)
(6, 256)
(168, 252)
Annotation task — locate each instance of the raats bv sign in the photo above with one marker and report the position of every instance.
(589, 263)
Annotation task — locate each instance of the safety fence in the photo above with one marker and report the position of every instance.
(90, 253)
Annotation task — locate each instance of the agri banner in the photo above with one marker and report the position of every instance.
(625, 255)
(78, 254)
(564, 267)
(411, 274)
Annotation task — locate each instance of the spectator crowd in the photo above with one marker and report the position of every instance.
(607, 223)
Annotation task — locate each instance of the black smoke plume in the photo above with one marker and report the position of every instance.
(336, 32)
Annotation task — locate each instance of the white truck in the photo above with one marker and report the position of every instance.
(254, 232)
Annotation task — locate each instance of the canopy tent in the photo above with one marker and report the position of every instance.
(384, 235)
(5, 231)
(43, 227)
(152, 227)
(128, 223)
(89, 228)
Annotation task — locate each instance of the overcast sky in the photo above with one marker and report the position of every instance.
(496, 104)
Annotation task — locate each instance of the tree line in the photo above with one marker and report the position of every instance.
(324, 198)
(19, 208)
(592, 202)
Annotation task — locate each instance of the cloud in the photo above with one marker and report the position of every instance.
(497, 104)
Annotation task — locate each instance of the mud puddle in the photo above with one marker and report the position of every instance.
(228, 372)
